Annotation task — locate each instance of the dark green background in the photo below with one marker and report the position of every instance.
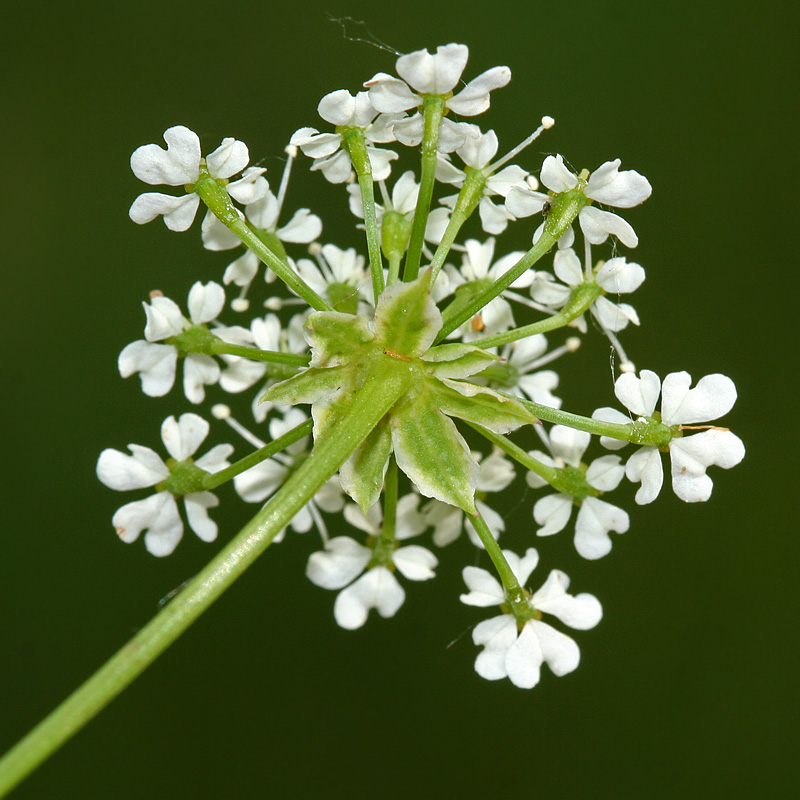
(686, 689)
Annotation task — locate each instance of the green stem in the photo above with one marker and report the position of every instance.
(468, 199)
(219, 202)
(384, 383)
(355, 145)
(517, 597)
(579, 302)
(453, 321)
(394, 268)
(254, 354)
(384, 546)
(432, 111)
(212, 481)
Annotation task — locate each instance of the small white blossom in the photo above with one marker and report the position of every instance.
(605, 185)
(615, 277)
(157, 363)
(713, 396)
(341, 564)
(523, 358)
(179, 165)
(596, 518)
(518, 652)
(158, 514)
(342, 109)
(424, 73)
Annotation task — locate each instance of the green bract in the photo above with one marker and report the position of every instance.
(418, 428)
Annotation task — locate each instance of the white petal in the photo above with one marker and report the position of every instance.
(619, 276)
(250, 188)
(598, 225)
(712, 398)
(302, 228)
(524, 202)
(614, 316)
(605, 473)
(197, 505)
(215, 459)
(552, 513)
(242, 271)
(336, 168)
(205, 302)
(178, 212)
(257, 483)
(315, 144)
(415, 563)
(378, 589)
(524, 658)
(155, 363)
(179, 164)
(380, 160)
(502, 182)
(184, 436)
(618, 189)
(606, 414)
(555, 176)
(409, 131)
(580, 612)
(159, 515)
(595, 519)
(228, 159)
(559, 651)
(640, 394)
(433, 74)
(164, 319)
(390, 95)
(691, 455)
(569, 444)
(494, 218)
(567, 267)
(122, 472)
(337, 107)
(474, 97)
(342, 561)
(484, 588)
(496, 635)
(645, 466)
(216, 236)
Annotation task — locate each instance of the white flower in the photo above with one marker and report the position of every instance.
(615, 277)
(477, 152)
(523, 358)
(605, 185)
(344, 271)
(596, 518)
(342, 109)
(158, 514)
(424, 73)
(179, 165)
(681, 406)
(496, 473)
(258, 483)
(477, 267)
(518, 652)
(343, 560)
(157, 363)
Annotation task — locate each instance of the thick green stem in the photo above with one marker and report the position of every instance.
(219, 202)
(432, 111)
(384, 383)
(517, 597)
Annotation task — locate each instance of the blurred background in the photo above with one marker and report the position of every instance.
(686, 688)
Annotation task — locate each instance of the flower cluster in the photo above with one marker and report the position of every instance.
(436, 328)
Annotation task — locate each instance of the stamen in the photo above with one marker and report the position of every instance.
(291, 152)
(223, 412)
(547, 123)
(570, 346)
(526, 301)
(587, 261)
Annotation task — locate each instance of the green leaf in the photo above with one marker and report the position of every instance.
(363, 473)
(457, 360)
(479, 404)
(406, 319)
(336, 338)
(433, 454)
(309, 386)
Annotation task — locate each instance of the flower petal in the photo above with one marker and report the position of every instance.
(713, 397)
(376, 588)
